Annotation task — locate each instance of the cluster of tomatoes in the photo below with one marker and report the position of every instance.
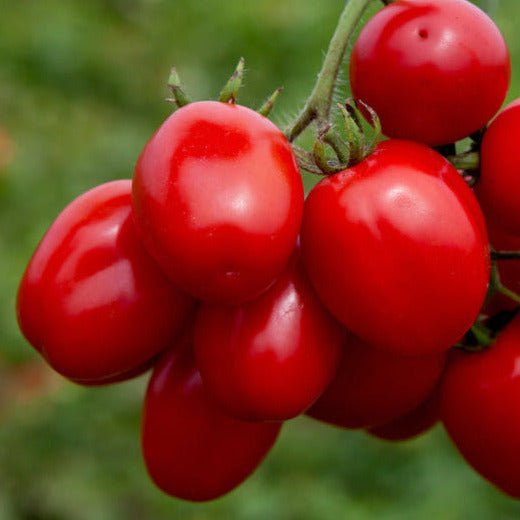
(254, 305)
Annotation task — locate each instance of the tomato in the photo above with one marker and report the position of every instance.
(92, 301)
(272, 357)
(412, 424)
(498, 188)
(508, 270)
(218, 200)
(373, 387)
(397, 250)
(479, 396)
(435, 71)
(193, 450)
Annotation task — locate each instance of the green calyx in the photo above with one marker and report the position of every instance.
(228, 94)
(336, 149)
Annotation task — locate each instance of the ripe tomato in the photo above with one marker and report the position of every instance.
(272, 357)
(435, 71)
(373, 387)
(412, 424)
(396, 248)
(479, 396)
(92, 300)
(498, 188)
(191, 448)
(218, 199)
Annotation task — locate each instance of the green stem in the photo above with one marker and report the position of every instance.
(510, 294)
(465, 161)
(505, 255)
(180, 98)
(482, 334)
(319, 103)
(496, 285)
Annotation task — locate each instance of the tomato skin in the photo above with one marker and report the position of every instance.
(92, 301)
(373, 387)
(415, 423)
(193, 450)
(498, 187)
(396, 248)
(272, 357)
(218, 200)
(435, 71)
(479, 396)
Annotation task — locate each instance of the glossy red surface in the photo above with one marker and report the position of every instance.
(218, 200)
(435, 71)
(479, 396)
(272, 357)
(92, 301)
(396, 248)
(498, 188)
(373, 387)
(193, 450)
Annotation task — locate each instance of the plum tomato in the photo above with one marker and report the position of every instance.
(479, 395)
(373, 387)
(412, 424)
(272, 357)
(218, 199)
(396, 248)
(191, 448)
(92, 300)
(498, 187)
(435, 71)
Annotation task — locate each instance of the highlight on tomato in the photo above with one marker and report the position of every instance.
(92, 300)
(435, 71)
(396, 248)
(272, 357)
(191, 448)
(479, 395)
(218, 199)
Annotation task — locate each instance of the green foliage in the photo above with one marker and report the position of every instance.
(82, 87)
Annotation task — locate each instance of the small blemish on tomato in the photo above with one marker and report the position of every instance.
(423, 33)
(232, 272)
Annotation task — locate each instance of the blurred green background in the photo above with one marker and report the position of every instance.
(82, 87)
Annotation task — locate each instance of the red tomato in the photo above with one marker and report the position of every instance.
(373, 387)
(92, 301)
(413, 424)
(396, 248)
(272, 357)
(218, 199)
(191, 448)
(498, 188)
(435, 71)
(479, 396)
(509, 270)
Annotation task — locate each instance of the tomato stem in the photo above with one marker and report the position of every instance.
(482, 334)
(319, 103)
(494, 282)
(266, 108)
(230, 91)
(465, 161)
(505, 255)
(180, 98)
(320, 157)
